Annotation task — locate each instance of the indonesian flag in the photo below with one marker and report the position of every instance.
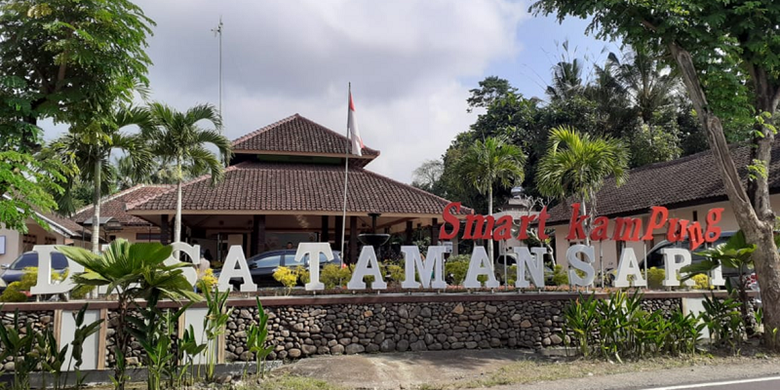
(352, 127)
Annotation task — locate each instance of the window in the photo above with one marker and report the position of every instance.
(289, 260)
(58, 261)
(268, 262)
(147, 236)
(26, 260)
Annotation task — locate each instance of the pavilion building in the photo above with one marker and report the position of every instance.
(285, 183)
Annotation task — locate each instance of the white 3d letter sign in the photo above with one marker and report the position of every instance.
(480, 265)
(362, 269)
(235, 257)
(314, 249)
(628, 266)
(584, 266)
(675, 259)
(45, 285)
(430, 268)
(534, 264)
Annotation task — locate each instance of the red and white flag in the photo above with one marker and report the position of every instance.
(354, 133)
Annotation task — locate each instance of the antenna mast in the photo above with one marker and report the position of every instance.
(218, 32)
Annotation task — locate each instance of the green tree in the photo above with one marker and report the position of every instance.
(490, 89)
(132, 272)
(577, 165)
(69, 60)
(178, 137)
(492, 162)
(426, 177)
(26, 185)
(726, 54)
(92, 147)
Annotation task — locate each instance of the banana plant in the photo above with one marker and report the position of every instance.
(80, 335)
(256, 340)
(735, 253)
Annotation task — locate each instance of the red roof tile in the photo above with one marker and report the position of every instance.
(114, 205)
(259, 186)
(297, 134)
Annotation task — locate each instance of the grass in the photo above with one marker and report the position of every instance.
(532, 370)
(291, 382)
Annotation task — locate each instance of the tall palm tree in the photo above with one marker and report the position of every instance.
(490, 162)
(577, 165)
(651, 85)
(177, 137)
(91, 147)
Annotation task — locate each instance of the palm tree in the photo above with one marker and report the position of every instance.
(132, 272)
(577, 165)
(649, 82)
(91, 146)
(492, 161)
(177, 137)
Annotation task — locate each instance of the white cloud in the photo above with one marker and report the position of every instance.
(405, 59)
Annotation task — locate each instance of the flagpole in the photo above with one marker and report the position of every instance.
(346, 180)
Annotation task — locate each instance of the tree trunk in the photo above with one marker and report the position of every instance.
(177, 224)
(490, 240)
(758, 223)
(96, 201)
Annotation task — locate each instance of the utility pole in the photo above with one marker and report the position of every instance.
(218, 32)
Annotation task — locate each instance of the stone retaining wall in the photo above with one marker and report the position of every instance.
(355, 328)
(40, 319)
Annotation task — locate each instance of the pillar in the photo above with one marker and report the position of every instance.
(353, 240)
(455, 245)
(409, 233)
(338, 229)
(435, 232)
(325, 235)
(165, 233)
(257, 244)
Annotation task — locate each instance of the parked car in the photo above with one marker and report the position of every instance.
(13, 272)
(263, 265)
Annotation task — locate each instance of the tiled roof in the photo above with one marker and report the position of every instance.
(258, 186)
(297, 134)
(683, 182)
(114, 205)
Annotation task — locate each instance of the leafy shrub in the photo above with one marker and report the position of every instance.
(625, 330)
(395, 273)
(560, 276)
(286, 276)
(655, 278)
(15, 291)
(702, 282)
(511, 275)
(333, 275)
(206, 280)
(303, 274)
(456, 268)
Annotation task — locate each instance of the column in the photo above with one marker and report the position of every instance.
(337, 231)
(409, 233)
(325, 234)
(165, 234)
(435, 232)
(258, 235)
(353, 255)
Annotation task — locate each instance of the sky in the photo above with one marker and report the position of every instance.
(410, 63)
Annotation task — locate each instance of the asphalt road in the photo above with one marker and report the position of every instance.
(766, 383)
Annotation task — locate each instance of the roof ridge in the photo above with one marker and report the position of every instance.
(264, 129)
(338, 134)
